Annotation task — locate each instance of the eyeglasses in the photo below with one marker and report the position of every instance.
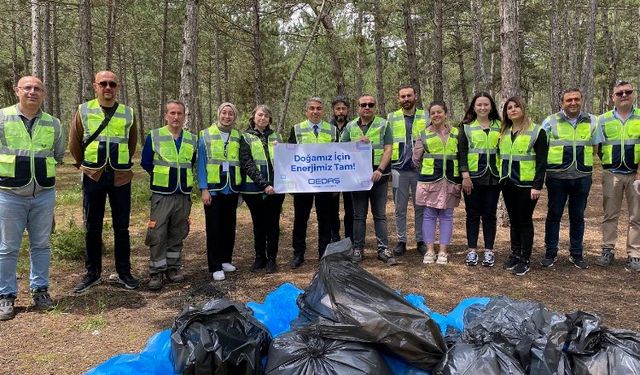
(111, 84)
(619, 94)
(365, 105)
(36, 89)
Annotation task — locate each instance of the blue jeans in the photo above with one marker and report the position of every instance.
(35, 214)
(577, 192)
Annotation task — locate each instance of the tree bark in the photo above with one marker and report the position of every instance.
(460, 54)
(438, 93)
(14, 53)
(410, 42)
(188, 84)
(360, 53)
(378, 29)
(86, 52)
(124, 80)
(479, 72)
(112, 9)
(216, 60)
(47, 61)
(334, 55)
(555, 42)
(258, 64)
(56, 64)
(586, 78)
(163, 61)
(136, 88)
(294, 73)
(509, 49)
(492, 68)
(36, 39)
(612, 51)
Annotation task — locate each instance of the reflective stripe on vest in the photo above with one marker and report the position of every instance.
(25, 156)
(518, 158)
(569, 145)
(112, 145)
(375, 133)
(621, 146)
(305, 135)
(399, 130)
(440, 160)
(482, 148)
(168, 161)
(260, 159)
(217, 159)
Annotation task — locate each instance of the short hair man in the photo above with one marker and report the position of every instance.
(168, 155)
(339, 120)
(572, 135)
(620, 161)
(313, 130)
(406, 124)
(31, 144)
(375, 130)
(102, 140)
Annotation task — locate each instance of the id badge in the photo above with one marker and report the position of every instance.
(225, 166)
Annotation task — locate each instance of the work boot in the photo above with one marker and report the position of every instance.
(633, 264)
(400, 248)
(7, 311)
(174, 275)
(155, 282)
(41, 299)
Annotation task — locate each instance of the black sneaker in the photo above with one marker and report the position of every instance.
(7, 311)
(422, 248)
(87, 282)
(271, 266)
(400, 248)
(547, 262)
(521, 269)
(387, 256)
(258, 264)
(579, 262)
(296, 261)
(511, 262)
(41, 299)
(128, 281)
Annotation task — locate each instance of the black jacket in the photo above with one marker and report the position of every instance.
(248, 165)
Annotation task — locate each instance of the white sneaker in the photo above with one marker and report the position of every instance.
(228, 267)
(429, 258)
(218, 275)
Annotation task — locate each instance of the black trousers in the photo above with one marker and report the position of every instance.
(482, 203)
(265, 214)
(347, 202)
(302, 204)
(94, 197)
(520, 208)
(220, 223)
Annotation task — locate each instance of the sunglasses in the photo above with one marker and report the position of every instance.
(619, 94)
(365, 105)
(111, 84)
(36, 89)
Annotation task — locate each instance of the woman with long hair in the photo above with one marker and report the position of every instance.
(477, 146)
(522, 151)
(256, 163)
(435, 155)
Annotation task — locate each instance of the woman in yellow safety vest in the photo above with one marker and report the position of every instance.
(435, 155)
(522, 159)
(256, 162)
(219, 178)
(477, 151)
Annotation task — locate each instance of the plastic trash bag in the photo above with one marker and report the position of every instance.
(155, 358)
(278, 309)
(486, 359)
(351, 304)
(596, 349)
(310, 354)
(221, 338)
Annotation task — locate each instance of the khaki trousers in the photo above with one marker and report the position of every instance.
(614, 187)
(168, 226)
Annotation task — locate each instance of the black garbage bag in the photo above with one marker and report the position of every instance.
(532, 334)
(220, 338)
(311, 354)
(351, 304)
(486, 359)
(596, 349)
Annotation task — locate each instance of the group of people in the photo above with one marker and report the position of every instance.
(426, 158)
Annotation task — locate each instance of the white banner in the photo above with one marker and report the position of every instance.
(324, 167)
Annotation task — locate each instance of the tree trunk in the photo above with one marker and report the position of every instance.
(410, 42)
(509, 49)
(571, 38)
(216, 59)
(586, 78)
(492, 68)
(479, 73)
(163, 61)
(112, 9)
(612, 60)
(334, 54)
(378, 29)
(86, 52)
(258, 64)
(360, 53)
(294, 73)
(14, 52)
(23, 41)
(36, 39)
(188, 84)
(460, 54)
(555, 60)
(136, 88)
(47, 63)
(122, 66)
(56, 64)
(438, 93)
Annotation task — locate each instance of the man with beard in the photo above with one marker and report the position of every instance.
(406, 123)
(340, 107)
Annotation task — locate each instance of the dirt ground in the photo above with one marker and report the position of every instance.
(86, 330)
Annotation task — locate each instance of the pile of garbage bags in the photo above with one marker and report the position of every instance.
(349, 322)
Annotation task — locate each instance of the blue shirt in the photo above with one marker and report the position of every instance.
(201, 169)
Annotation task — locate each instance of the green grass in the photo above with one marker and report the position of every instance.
(93, 323)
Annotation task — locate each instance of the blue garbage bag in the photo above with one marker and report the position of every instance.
(456, 317)
(154, 359)
(278, 309)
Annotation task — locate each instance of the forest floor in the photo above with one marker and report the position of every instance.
(84, 331)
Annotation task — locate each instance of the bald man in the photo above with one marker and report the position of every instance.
(31, 145)
(102, 140)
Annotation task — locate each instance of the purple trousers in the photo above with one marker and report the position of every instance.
(429, 219)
